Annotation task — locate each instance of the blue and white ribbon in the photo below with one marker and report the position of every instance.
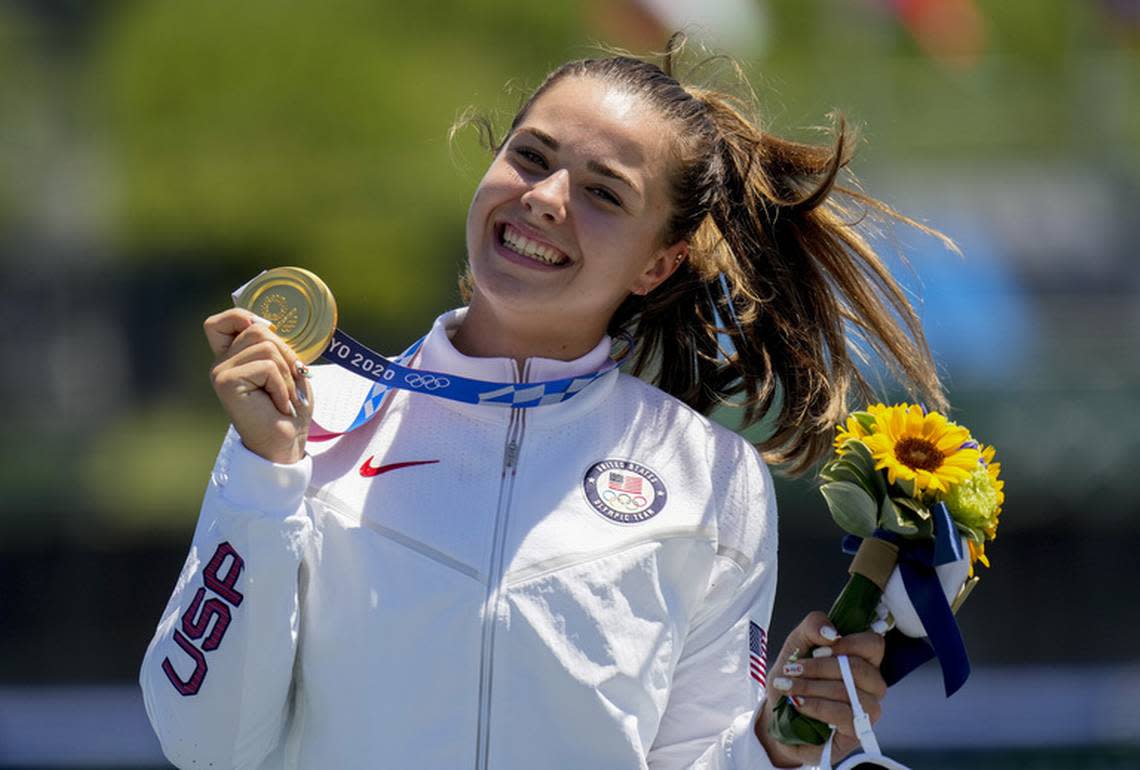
(388, 375)
(917, 562)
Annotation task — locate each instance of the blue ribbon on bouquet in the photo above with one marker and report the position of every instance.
(916, 564)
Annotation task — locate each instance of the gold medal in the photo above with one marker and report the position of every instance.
(298, 303)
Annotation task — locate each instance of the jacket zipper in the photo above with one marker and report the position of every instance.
(515, 429)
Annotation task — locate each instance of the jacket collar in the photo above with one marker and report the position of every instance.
(439, 354)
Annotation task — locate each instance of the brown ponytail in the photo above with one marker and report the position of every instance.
(804, 288)
(777, 267)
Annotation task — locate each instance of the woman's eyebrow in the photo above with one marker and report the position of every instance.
(596, 166)
(604, 170)
(541, 136)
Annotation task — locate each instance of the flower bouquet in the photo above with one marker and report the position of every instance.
(919, 498)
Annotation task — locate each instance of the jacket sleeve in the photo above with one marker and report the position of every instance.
(718, 683)
(216, 677)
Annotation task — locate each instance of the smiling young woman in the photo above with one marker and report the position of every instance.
(584, 583)
(567, 222)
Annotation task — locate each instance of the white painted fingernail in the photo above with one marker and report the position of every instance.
(292, 410)
(821, 652)
(829, 633)
(302, 369)
(782, 683)
(880, 627)
(263, 321)
(302, 398)
(882, 611)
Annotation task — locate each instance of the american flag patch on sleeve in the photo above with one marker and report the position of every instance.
(757, 653)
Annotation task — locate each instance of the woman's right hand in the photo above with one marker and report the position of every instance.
(816, 685)
(262, 385)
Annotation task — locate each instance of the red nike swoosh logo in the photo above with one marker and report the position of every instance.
(367, 470)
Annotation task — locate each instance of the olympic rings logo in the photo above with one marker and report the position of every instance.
(426, 381)
(624, 500)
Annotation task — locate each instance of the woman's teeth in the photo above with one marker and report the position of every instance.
(520, 244)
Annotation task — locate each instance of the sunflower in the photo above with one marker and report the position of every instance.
(852, 430)
(924, 447)
(857, 424)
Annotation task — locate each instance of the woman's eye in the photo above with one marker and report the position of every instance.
(531, 156)
(605, 195)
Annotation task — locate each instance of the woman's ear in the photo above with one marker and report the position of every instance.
(665, 261)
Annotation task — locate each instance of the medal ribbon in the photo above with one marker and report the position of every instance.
(388, 375)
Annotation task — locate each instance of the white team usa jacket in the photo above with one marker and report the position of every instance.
(452, 587)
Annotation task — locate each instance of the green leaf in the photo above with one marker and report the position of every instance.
(842, 470)
(906, 486)
(858, 454)
(828, 471)
(866, 419)
(856, 463)
(914, 506)
(854, 608)
(839, 473)
(852, 508)
(854, 448)
(918, 515)
(892, 519)
(972, 534)
(795, 729)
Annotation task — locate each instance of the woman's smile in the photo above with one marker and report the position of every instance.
(513, 242)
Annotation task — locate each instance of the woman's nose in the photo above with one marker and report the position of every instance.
(547, 197)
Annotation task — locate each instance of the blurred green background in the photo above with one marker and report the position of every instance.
(155, 155)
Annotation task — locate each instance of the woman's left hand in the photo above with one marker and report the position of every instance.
(817, 686)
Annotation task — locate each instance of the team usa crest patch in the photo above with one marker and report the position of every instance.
(624, 491)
